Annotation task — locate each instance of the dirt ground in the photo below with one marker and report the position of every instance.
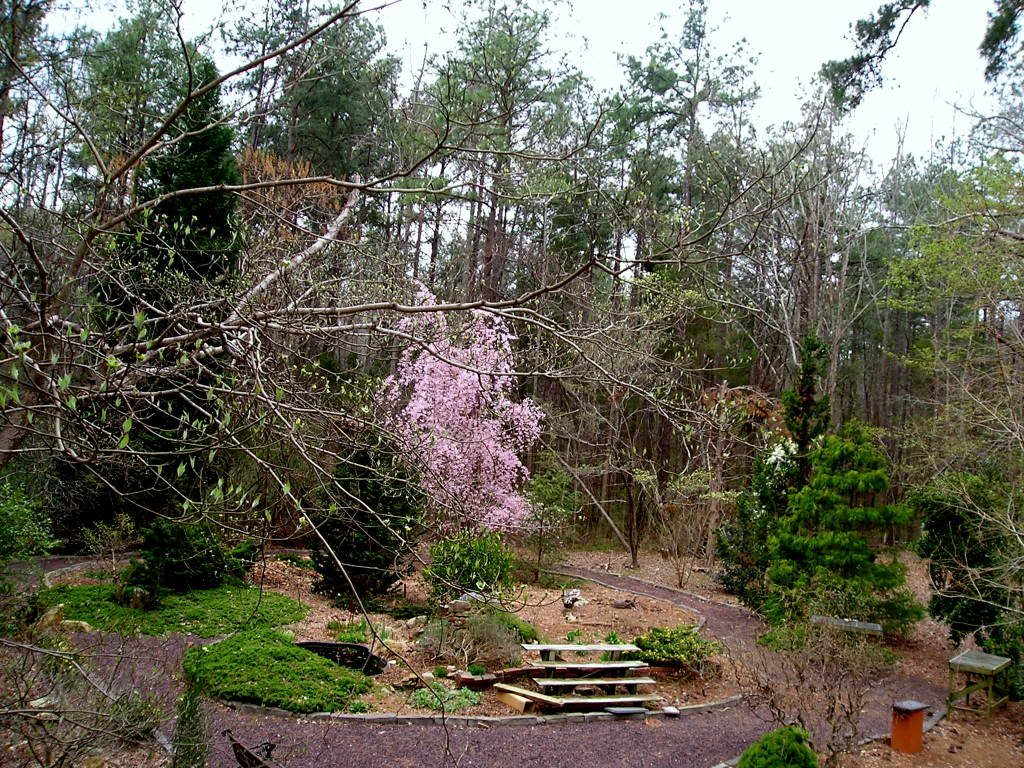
(962, 740)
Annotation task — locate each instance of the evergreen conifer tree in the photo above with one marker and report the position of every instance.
(821, 554)
(193, 236)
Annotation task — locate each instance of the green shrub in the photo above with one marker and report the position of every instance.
(266, 667)
(24, 530)
(371, 520)
(439, 698)
(353, 632)
(403, 609)
(298, 561)
(206, 613)
(682, 648)
(524, 630)
(440, 672)
(179, 557)
(468, 562)
(783, 748)
(476, 669)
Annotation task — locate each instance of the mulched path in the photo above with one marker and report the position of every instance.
(700, 739)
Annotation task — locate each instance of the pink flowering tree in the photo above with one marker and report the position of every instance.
(450, 405)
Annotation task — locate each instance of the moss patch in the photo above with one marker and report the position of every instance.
(265, 667)
(207, 612)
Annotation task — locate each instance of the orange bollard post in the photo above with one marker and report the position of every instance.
(907, 726)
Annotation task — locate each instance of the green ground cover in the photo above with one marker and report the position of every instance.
(206, 612)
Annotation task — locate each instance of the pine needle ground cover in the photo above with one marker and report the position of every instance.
(206, 612)
(265, 667)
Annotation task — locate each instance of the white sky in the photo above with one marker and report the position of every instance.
(934, 69)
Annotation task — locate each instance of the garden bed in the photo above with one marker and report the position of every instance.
(539, 605)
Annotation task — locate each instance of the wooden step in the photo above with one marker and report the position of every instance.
(590, 664)
(566, 648)
(604, 701)
(526, 693)
(569, 682)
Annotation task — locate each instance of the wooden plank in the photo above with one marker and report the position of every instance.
(593, 648)
(590, 664)
(978, 663)
(541, 698)
(632, 698)
(514, 700)
(568, 682)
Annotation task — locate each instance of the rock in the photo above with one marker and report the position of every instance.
(670, 711)
(570, 617)
(69, 625)
(458, 606)
(43, 702)
(628, 603)
(51, 618)
(570, 597)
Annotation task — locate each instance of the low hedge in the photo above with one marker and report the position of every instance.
(265, 667)
(205, 612)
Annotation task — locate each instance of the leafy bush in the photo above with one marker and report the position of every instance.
(24, 530)
(524, 630)
(439, 698)
(783, 748)
(266, 667)
(179, 557)
(681, 647)
(967, 560)
(476, 669)
(468, 562)
(357, 632)
(371, 519)
(206, 613)
(298, 561)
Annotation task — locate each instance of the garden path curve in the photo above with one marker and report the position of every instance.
(697, 739)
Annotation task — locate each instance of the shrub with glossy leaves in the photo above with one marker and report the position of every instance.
(682, 648)
(469, 562)
(783, 748)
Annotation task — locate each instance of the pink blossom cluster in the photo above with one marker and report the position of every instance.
(449, 404)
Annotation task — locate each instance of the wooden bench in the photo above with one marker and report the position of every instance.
(548, 651)
(987, 670)
(849, 625)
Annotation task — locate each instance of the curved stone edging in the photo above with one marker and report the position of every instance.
(48, 576)
(701, 618)
(471, 721)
